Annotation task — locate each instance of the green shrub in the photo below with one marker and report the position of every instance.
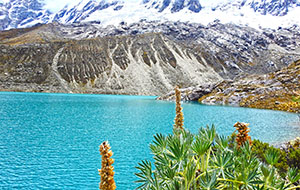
(260, 148)
(206, 161)
(293, 158)
(296, 99)
(289, 157)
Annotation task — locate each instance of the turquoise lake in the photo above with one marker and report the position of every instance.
(51, 141)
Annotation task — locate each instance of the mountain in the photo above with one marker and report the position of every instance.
(173, 6)
(22, 14)
(84, 9)
(144, 64)
(122, 47)
(231, 49)
(275, 8)
(145, 58)
(254, 13)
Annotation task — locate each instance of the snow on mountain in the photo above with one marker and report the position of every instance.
(79, 12)
(22, 13)
(254, 13)
(173, 5)
(275, 8)
(267, 14)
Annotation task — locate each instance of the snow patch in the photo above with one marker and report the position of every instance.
(113, 12)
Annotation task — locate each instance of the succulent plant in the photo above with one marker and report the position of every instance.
(205, 161)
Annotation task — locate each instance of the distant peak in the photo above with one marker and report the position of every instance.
(173, 5)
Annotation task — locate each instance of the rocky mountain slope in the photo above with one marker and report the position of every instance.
(146, 64)
(146, 58)
(275, 90)
(254, 13)
(229, 49)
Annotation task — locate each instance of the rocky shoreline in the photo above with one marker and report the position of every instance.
(274, 91)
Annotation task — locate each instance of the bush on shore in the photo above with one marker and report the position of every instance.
(206, 160)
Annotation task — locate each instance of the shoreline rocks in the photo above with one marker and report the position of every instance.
(270, 91)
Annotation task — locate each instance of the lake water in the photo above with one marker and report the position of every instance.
(51, 141)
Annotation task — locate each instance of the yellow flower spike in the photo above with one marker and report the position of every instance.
(242, 135)
(179, 115)
(107, 174)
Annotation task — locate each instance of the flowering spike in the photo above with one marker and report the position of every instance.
(107, 170)
(242, 135)
(179, 115)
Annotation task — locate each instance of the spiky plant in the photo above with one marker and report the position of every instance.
(242, 135)
(205, 161)
(107, 170)
(178, 126)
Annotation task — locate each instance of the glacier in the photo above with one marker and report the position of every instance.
(253, 13)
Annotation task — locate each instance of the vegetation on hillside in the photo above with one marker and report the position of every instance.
(288, 157)
(278, 90)
(286, 98)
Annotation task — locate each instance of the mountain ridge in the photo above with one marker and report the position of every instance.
(90, 58)
(144, 64)
(255, 13)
